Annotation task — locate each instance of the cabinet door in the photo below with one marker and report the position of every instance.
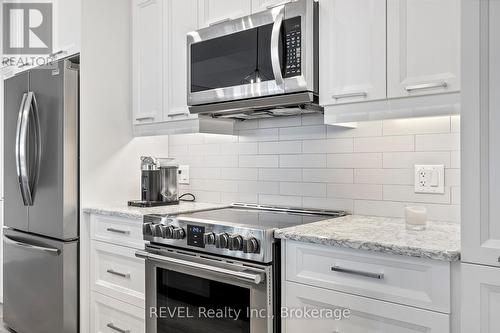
(147, 60)
(363, 315)
(352, 51)
(423, 47)
(480, 298)
(68, 26)
(215, 11)
(261, 5)
(179, 20)
(481, 133)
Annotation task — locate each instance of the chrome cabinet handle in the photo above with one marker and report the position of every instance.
(123, 275)
(144, 118)
(116, 328)
(118, 231)
(275, 57)
(349, 95)
(250, 277)
(219, 21)
(180, 113)
(339, 269)
(48, 250)
(426, 86)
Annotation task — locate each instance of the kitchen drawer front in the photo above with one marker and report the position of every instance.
(116, 272)
(361, 315)
(416, 282)
(112, 316)
(120, 231)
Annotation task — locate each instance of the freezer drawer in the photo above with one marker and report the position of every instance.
(40, 284)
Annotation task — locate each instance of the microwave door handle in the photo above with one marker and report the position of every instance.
(275, 39)
(21, 151)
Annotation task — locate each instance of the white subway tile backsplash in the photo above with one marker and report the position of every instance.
(384, 144)
(339, 176)
(283, 175)
(384, 176)
(298, 161)
(280, 147)
(259, 161)
(438, 142)
(303, 189)
(256, 135)
(355, 191)
(355, 161)
(302, 132)
(303, 161)
(408, 160)
(330, 146)
(407, 194)
(428, 125)
(363, 129)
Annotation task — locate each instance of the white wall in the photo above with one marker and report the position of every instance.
(109, 154)
(300, 162)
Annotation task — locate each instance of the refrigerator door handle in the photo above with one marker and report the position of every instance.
(20, 150)
(35, 248)
(27, 179)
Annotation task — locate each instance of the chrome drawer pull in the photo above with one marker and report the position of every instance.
(426, 86)
(350, 95)
(123, 275)
(339, 269)
(144, 118)
(115, 328)
(118, 231)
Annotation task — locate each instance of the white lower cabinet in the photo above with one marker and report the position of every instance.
(339, 312)
(111, 316)
(480, 299)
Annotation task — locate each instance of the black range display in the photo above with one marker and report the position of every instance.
(195, 236)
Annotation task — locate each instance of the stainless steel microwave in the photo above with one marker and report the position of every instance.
(248, 66)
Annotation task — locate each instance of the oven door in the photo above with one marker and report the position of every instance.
(188, 293)
(236, 59)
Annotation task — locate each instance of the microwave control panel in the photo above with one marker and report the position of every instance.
(293, 56)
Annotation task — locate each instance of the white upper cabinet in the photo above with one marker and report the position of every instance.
(423, 47)
(352, 51)
(147, 60)
(67, 26)
(261, 5)
(180, 19)
(215, 11)
(481, 133)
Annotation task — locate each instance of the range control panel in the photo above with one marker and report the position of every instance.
(292, 40)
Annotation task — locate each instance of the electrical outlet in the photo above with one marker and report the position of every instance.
(183, 174)
(429, 179)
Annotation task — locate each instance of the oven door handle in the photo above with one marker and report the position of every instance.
(275, 39)
(255, 278)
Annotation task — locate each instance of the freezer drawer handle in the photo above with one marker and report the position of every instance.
(123, 275)
(118, 231)
(116, 328)
(339, 269)
(48, 250)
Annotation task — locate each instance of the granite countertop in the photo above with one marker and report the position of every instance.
(440, 240)
(137, 212)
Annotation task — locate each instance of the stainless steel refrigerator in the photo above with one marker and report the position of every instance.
(41, 213)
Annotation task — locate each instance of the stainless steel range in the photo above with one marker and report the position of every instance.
(223, 262)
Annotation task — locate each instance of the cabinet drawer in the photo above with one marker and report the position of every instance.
(362, 315)
(116, 272)
(108, 315)
(120, 231)
(411, 281)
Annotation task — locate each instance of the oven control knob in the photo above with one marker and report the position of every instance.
(209, 238)
(178, 233)
(235, 242)
(169, 232)
(158, 230)
(221, 241)
(251, 245)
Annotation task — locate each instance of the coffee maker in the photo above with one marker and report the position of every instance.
(159, 182)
